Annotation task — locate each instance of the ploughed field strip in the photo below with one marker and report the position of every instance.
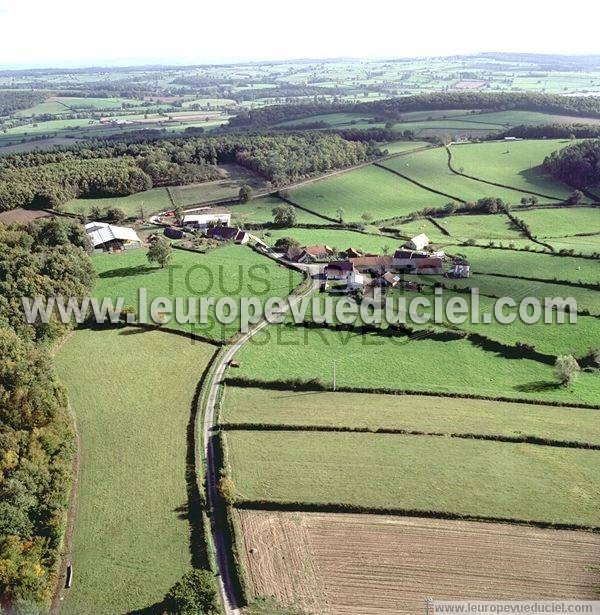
(370, 564)
(425, 475)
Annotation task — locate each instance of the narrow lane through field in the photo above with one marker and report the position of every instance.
(212, 470)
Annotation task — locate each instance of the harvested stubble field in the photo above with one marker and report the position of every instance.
(363, 564)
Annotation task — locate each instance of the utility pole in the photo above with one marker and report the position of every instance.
(334, 374)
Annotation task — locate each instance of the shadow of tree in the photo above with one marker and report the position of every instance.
(537, 387)
(127, 271)
(154, 609)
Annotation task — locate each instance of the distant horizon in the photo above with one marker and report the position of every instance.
(140, 63)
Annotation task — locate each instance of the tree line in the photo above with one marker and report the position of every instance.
(392, 109)
(36, 440)
(117, 168)
(577, 165)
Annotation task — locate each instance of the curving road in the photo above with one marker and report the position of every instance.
(212, 470)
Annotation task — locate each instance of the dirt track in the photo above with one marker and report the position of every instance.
(363, 564)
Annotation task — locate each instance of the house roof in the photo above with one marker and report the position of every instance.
(104, 234)
(317, 250)
(372, 261)
(420, 239)
(426, 263)
(339, 266)
(206, 218)
(353, 252)
(409, 254)
(390, 277)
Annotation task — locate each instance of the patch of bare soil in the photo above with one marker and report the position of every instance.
(363, 564)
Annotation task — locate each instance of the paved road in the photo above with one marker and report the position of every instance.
(212, 471)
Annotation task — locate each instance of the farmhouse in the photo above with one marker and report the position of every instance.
(203, 221)
(227, 233)
(429, 265)
(339, 270)
(308, 254)
(108, 237)
(375, 265)
(418, 242)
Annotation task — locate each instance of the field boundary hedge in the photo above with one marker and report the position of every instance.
(533, 440)
(416, 183)
(587, 285)
(315, 385)
(287, 506)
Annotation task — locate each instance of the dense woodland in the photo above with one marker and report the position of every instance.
(391, 109)
(577, 165)
(11, 101)
(552, 131)
(36, 440)
(109, 168)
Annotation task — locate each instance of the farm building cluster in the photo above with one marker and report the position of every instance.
(357, 270)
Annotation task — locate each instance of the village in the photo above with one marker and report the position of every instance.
(349, 271)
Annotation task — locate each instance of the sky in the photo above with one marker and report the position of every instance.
(122, 32)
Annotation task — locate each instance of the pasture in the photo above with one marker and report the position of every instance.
(150, 201)
(418, 473)
(465, 227)
(373, 564)
(235, 271)
(131, 392)
(408, 412)
(518, 289)
(545, 267)
(430, 167)
(422, 363)
(516, 164)
(368, 189)
(563, 222)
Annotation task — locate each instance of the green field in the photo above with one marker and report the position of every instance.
(368, 189)
(553, 339)
(401, 147)
(516, 164)
(151, 201)
(562, 222)
(235, 271)
(583, 245)
(131, 393)
(418, 473)
(409, 412)
(60, 105)
(464, 227)
(530, 264)
(430, 167)
(375, 361)
(339, 240)
(510, 287)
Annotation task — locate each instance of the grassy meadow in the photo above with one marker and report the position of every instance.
(368, 189)
(131, 393)
(430, 167)
(375, 361)
(231, 270)
(469, 477)
(516, 164)
(427, 414)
